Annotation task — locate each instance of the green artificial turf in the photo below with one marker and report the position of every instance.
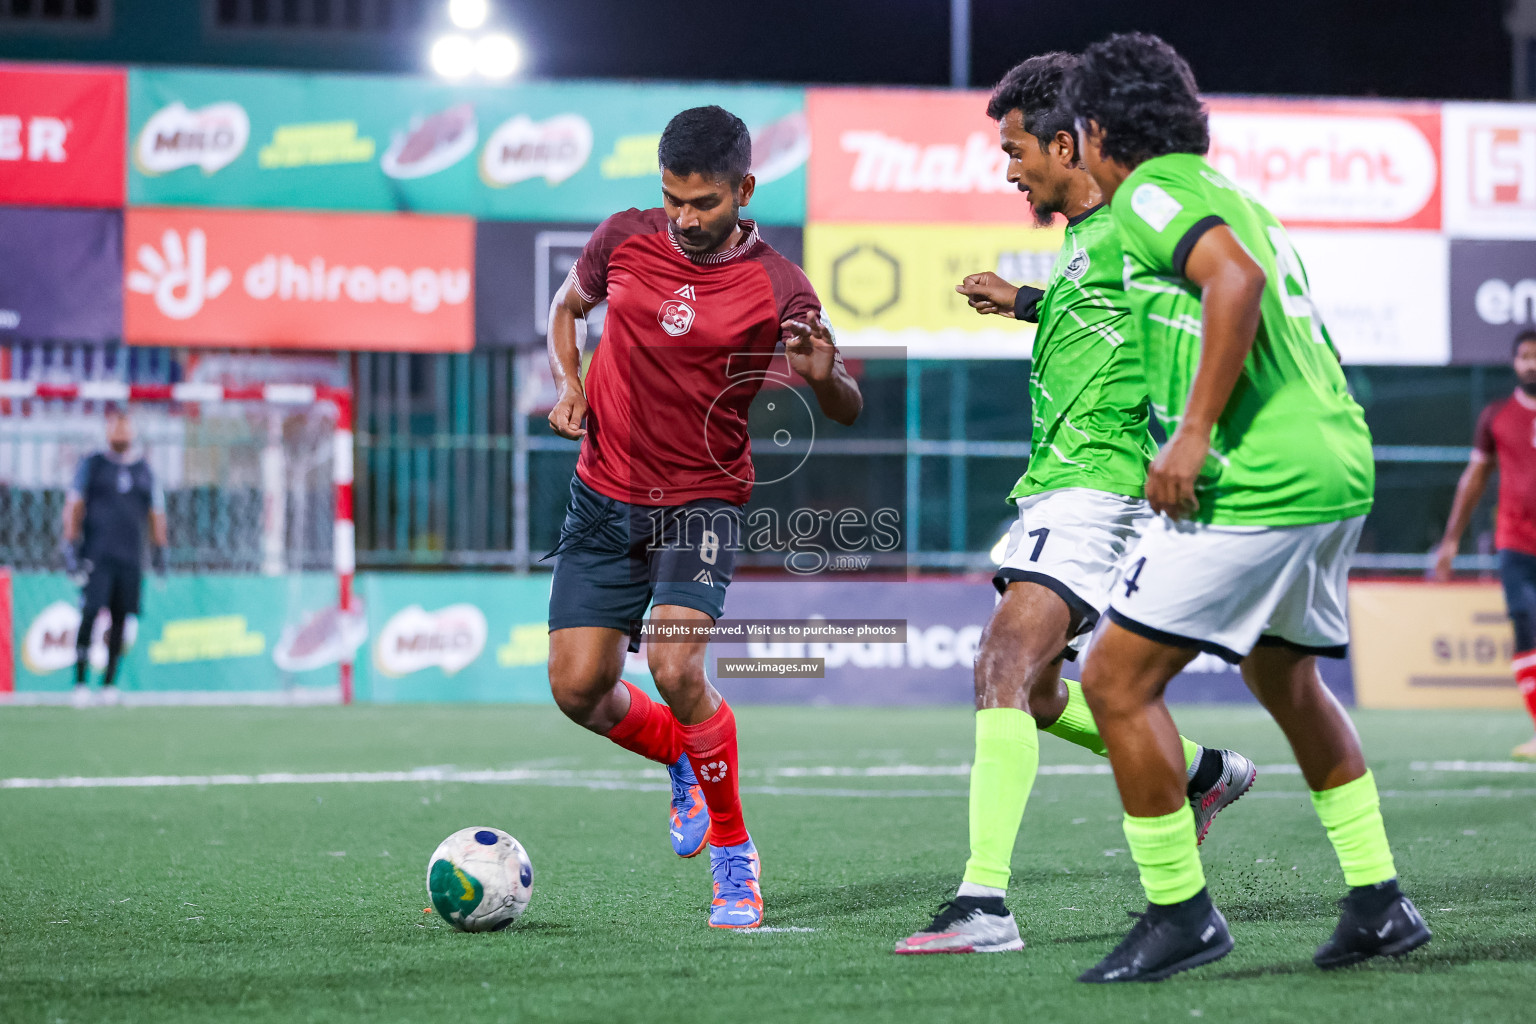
(303, 902)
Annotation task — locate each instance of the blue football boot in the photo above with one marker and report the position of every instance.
(690, 817)
(738, 899)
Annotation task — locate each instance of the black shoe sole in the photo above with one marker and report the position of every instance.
(1401, 947)
(1201, 958)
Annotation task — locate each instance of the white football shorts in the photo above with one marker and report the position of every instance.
(1224, 589)
(1072, 540)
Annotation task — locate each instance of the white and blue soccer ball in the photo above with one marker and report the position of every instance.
(480, 879)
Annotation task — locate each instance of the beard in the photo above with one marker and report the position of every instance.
(699, 242)
(1528, 385)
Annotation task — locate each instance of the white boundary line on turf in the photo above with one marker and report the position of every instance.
(637, 781)
(1480, 767)
(298, 696)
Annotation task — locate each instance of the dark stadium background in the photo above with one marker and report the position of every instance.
(1410, 48)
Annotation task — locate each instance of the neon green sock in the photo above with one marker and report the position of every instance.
(1007, 757)
(1076, 725)
(1165, 850)
(1352, 815)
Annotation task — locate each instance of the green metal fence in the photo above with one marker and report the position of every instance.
(455, 465)
(450, 473)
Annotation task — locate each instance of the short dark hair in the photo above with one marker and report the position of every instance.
(1529, 334)
(1142, 95)
(706, 140)
(1033, 88)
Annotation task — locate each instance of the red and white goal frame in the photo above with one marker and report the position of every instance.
(344, 535)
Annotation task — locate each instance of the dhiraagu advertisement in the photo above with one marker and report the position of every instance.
(537, 151)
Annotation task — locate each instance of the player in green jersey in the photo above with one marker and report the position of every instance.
(1080, 507)
(1261, 488)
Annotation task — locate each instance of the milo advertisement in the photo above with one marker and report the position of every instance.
(534, 151)
(194, 633)
(278, 639)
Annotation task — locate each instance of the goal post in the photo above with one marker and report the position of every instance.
(233, 484)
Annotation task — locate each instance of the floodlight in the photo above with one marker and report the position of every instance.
(453, 56)
(497, 55)
(468, 14)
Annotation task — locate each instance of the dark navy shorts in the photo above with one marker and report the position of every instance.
(113, 585)
(614, 560)
(1517, 571)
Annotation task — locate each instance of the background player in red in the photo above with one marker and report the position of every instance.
(1506, 440)
(697, 305)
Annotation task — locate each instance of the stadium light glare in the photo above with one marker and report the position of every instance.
(453, 56)
(468, 14)
(497, 55)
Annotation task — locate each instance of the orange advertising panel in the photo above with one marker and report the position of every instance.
(902, 155)
(1427, 645)
(244, 279)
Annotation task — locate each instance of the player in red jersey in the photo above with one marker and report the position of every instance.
(697, 305)
(1506, 440)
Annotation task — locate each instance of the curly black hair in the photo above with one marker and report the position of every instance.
(1033, 88)
(1141, 93)
(710, 141)
(1529, 334)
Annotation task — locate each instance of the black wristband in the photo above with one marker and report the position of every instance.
(1026, 305)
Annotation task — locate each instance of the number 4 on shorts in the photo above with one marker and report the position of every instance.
(1135, 574)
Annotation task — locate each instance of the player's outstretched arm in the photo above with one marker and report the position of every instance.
(566, 312)
(1469, 491)
(1231, 286)
(814, 356)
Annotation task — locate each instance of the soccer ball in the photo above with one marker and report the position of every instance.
(480, 879)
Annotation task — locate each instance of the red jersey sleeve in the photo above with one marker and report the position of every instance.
(1483, 449)
(590, 272)
(792, 291)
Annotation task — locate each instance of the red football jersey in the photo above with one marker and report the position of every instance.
(686, 346)
(1506, 431)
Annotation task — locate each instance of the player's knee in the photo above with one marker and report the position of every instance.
(678, 679)
(1007, 672)
(578, 686)
(1108, 696)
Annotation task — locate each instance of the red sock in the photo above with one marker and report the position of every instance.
(1525, 676)
(649, 729)
(711, 746)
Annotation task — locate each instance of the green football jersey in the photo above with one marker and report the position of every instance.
(1292, 446)
(1087, 394)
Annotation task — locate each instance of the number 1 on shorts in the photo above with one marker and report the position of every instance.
(1039, 535)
